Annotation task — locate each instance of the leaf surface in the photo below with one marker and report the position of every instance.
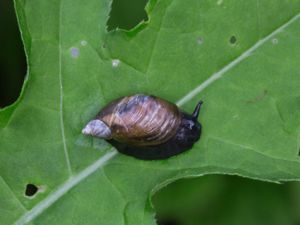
(240, 58)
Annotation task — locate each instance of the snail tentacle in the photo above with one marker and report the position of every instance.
(197, 110)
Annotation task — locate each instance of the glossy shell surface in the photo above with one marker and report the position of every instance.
(141, 120)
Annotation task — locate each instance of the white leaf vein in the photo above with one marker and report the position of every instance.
(61, 106)
(233, 63)
(64, 188)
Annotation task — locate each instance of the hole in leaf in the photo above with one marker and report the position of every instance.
(232, 40)
(126, 14)
(31, 190)
(12, 56)
(218, 199)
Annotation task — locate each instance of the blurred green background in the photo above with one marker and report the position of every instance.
(12, 57)
(208, 200)
(228, 200)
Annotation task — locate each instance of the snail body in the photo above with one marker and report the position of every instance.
(146, 127)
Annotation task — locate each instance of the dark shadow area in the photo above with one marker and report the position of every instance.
(126, 14)
(12, 56)
(227, 200)
(167, 221)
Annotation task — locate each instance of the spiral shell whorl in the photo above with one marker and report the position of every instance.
(141, 120)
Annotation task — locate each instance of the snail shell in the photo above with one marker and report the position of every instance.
(142, 123)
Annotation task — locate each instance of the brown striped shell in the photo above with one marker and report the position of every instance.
(141, 120)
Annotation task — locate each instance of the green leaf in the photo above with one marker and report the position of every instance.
(183, 53)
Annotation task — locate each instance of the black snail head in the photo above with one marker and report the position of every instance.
(190, 129)
(146, 127)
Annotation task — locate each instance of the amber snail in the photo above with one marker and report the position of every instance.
(146, 127)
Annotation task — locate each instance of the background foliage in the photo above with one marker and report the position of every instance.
(12, 57)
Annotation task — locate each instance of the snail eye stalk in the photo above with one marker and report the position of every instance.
(197, 110)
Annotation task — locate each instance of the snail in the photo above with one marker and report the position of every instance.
(146, 127)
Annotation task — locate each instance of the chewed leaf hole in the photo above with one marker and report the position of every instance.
(126, 15)
(31, 190)
(232, 40)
